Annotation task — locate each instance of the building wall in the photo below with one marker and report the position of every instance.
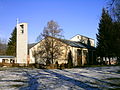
(62, 58)
(65, 49)
(75, 56)
(83, 39)
(7, 60)
(31, 53)
(22, 41)
(1, 60)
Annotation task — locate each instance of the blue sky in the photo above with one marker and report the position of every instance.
(73, 16)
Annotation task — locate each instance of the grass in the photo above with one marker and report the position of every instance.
(113, 78)
(116, 86)
(3, 68)
(114, 89)
(99, 65)
(116, 82)
(118, 71)
(19, 81)
(17, 85)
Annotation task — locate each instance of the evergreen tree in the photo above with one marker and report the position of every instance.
(116, 40)
(114, 11)
(70, 60)
(104, 36)
(11, 47)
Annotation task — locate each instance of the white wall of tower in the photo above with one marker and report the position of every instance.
(22, 43)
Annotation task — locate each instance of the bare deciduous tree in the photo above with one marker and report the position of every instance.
(49, 49)
(3, 46)
(114, 9)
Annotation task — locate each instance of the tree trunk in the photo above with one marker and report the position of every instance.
(105, 61)
(109, 61)
(101, 62)
(52, 51)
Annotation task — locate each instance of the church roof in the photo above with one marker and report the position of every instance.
(77, 44)
(72, 43)
(31, 45)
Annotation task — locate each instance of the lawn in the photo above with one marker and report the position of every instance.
(89, 78)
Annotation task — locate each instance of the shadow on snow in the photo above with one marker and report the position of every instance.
(32, 82)
(73, 81)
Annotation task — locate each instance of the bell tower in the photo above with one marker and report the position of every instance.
(22, 43)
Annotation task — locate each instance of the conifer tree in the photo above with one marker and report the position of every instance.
(104, 36)
(116, 40)
(11, 46)
(114, 11)
(70, 63)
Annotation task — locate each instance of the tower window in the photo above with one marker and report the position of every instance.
(22, 31)
(22, 28)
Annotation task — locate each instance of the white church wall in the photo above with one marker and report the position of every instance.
(64, 57)
(1, 60)
(32, 50)
(31, 53)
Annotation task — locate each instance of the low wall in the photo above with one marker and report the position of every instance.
(16, 65)
(8, 65)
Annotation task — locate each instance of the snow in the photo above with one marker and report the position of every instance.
(97, 78)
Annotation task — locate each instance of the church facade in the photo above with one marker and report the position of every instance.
(81, 48)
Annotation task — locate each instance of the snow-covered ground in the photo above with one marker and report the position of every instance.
(98, 78)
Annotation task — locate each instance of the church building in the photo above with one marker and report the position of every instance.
(81, 48)
(82, 51)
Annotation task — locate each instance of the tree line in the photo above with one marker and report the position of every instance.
(8, 48)
(3, 46)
